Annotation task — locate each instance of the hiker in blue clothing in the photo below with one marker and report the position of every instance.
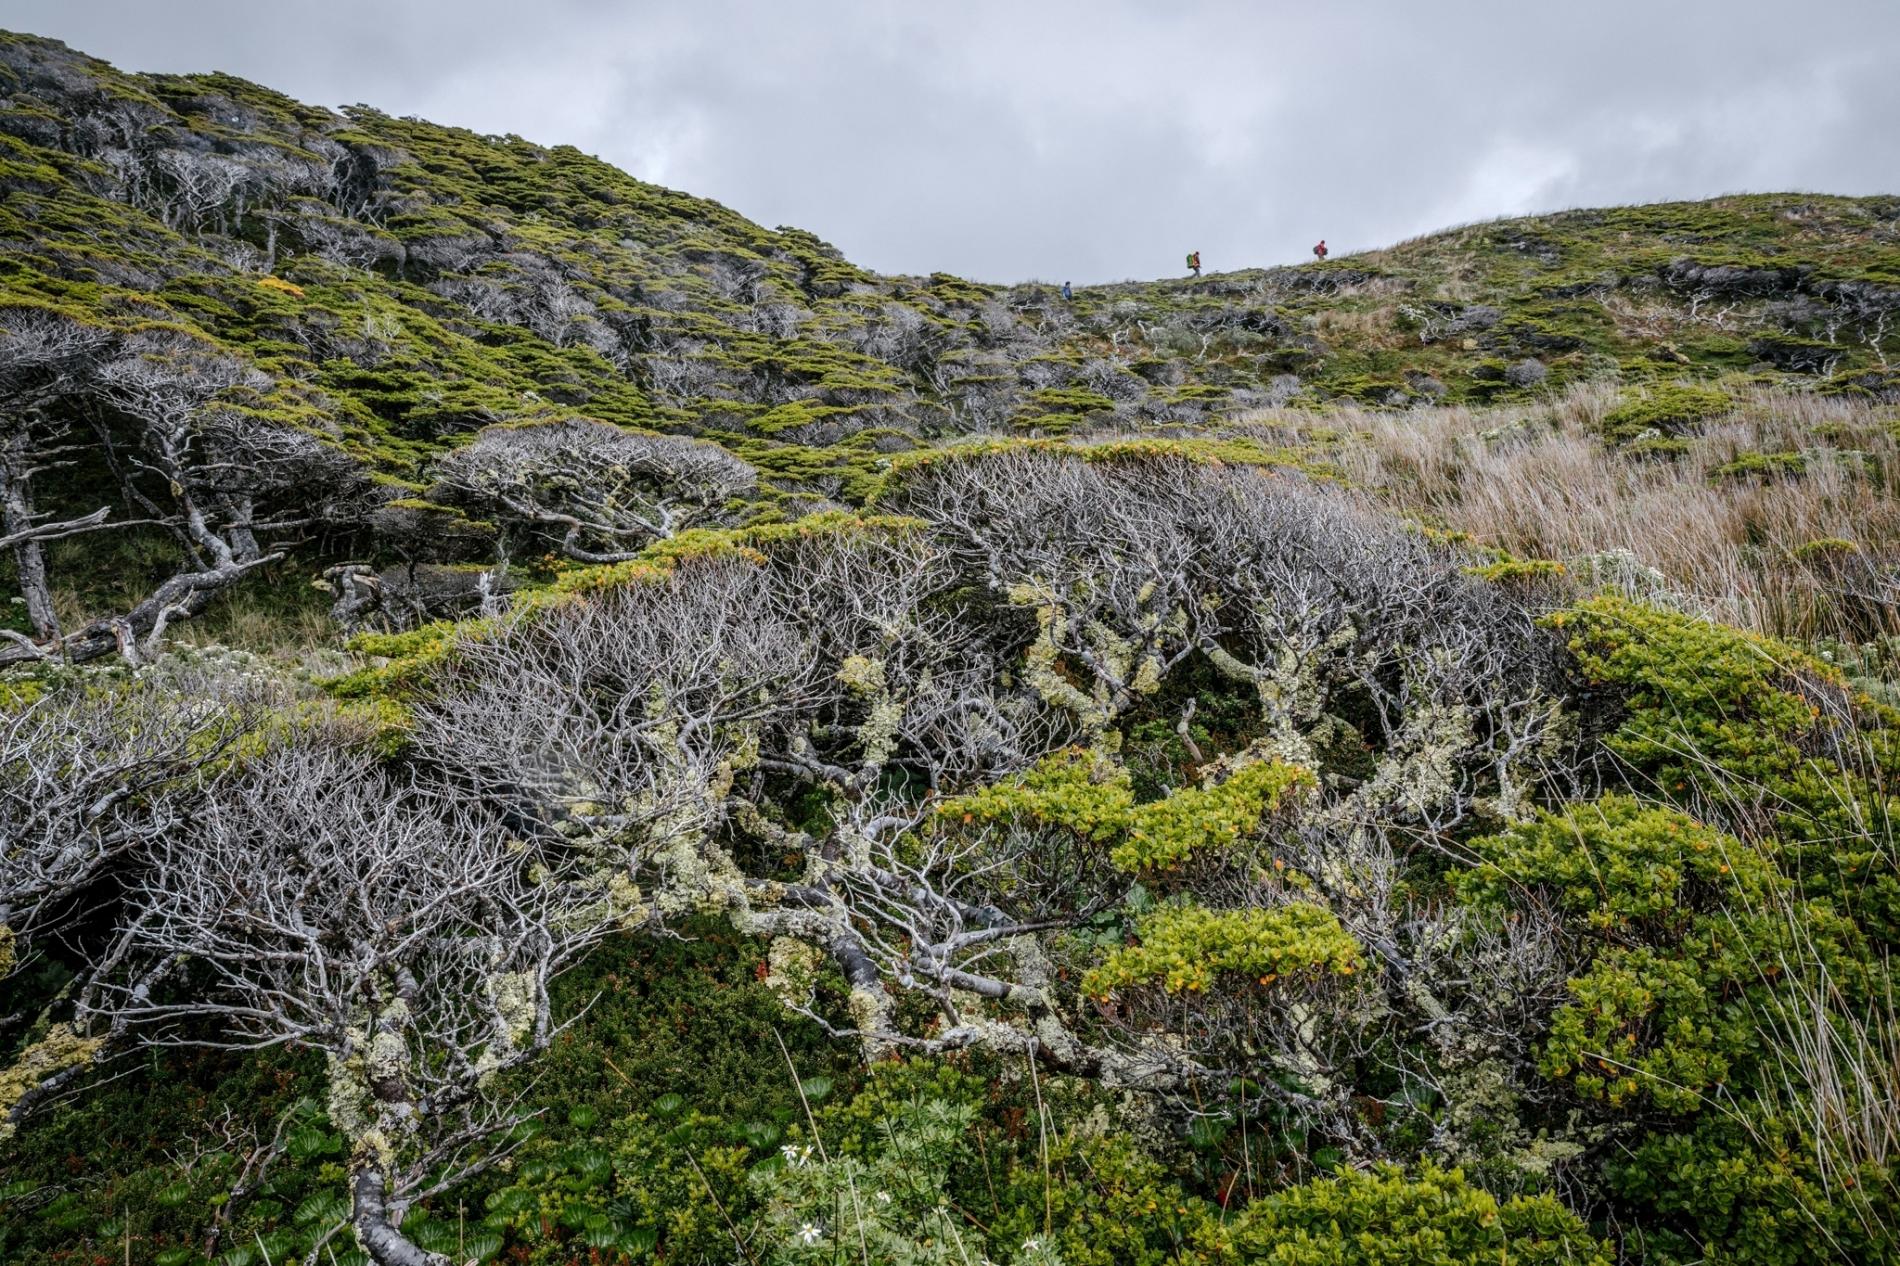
(1067, 293)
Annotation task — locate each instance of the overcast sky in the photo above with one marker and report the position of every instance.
(1100, 139)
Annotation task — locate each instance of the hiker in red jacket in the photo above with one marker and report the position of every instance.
(1319, 251)
(1194, 262)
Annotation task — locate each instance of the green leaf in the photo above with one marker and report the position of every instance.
(639, 1241)
(307, 1141)
(1206, 1133)
(324, 1207)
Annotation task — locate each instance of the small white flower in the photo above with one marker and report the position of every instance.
(809, 1235)
(796, 1157)
(883, 1197)
(1032, 1246)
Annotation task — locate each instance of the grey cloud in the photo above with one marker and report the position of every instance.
(1101, 140)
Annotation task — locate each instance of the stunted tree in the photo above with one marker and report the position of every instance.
(1351, 630)
(1131, 564)
(602, 492)
(1103, 570)
(647, 721)
(320, 901)
(171, 423)
(91, 773)
(622, 723)
(43, 354)
(954, 693)
(197, 188)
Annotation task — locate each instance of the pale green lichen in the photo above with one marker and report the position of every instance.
(1482, 1126)
(1515, 800)
(792, 969)
(1042, 672)
(626, 902)
(515, 997)
(59, 1051)
(1419, 772)
(861, 675)
(870, 1010)
(1148, 676)
(351, 1106)
(387, 1057)
(1287, 682)
(878, 734)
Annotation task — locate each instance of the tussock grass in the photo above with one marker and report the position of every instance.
(1780, 516)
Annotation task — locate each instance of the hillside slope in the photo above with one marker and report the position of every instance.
(386, 289)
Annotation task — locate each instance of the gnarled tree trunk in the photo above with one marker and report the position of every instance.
(379, 1236)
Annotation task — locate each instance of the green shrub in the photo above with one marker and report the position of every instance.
(1668, 408)
(1079, 791)
(1187, 948)
(1743, 1187)
(1760, 466)
(1623, 869)
(1109, 1204)
(1826, 549)
(1389, 1218)
(1759, 731)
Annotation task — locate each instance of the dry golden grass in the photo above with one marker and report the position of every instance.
(1372, 328)
(1539, 482)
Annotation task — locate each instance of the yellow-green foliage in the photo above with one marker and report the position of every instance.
(1232, 452)
(1166, 832)
(1623, 868)
(1759, 729)
(750, 543)
(1653, 1023)
(1386, 1217)
(1187, 948)
(1667, 408)
(1825, 549)
(408, 659)
(1091, 795)
(1746, 1189)
(1685, 930)
(1517, 570)
(1074, 789)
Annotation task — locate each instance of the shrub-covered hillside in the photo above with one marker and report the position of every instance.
(368, 293)
(542, 722)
